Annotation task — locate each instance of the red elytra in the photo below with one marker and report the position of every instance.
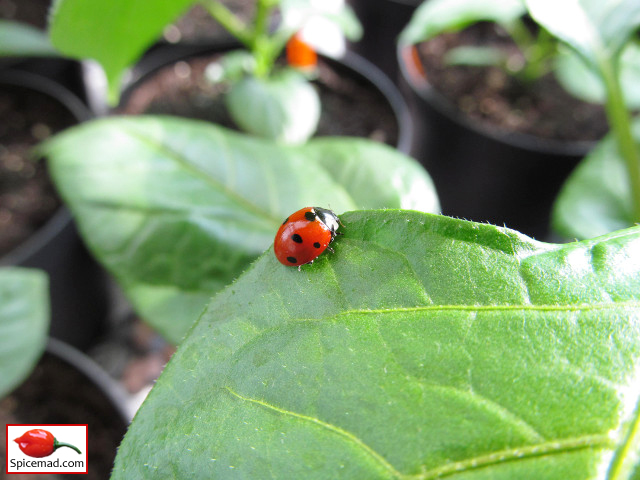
(304, 235)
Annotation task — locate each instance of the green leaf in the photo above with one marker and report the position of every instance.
(581, 81)
(425, 347)
(283, 107)
(596, 198)
(434, 17)
(176, 208)
(596, 29)
(22, 40)
(24, 323)
(113, 32)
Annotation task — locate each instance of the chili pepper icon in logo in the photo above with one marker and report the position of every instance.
(39, 443)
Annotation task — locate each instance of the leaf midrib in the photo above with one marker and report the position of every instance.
(485, 308)
(176, 157)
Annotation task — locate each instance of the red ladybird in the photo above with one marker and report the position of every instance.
(304, 235)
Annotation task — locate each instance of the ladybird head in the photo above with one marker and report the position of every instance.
(329, 218)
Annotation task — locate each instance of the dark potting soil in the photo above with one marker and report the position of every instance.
(197, 25)
(350, 106)
(58, 393)
(27, 198)
(33, 12)
(488, 94)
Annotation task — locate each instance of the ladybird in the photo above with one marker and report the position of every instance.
(304, 235)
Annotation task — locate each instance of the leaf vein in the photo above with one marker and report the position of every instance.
(500, 411)
(333, 428)
(194, 170)
(515, 454)
(499, 308)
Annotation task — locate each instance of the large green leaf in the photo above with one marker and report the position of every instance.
(425, 347)
(434, 17)
(596, 198)
(24, 323)
(283, 106)
(596, 29)
(113, 32)
(22, 40)
(177, 208)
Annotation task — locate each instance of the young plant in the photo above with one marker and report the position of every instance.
(435, 17)
(265, 99)
(598, 33)
(175, 208)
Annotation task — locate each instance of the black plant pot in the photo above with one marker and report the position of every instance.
(350, 64)
(483, 174)
(365, 69)
(76, 282)
(67, 387)
(382, 22)
(35, 14)
(63, 71)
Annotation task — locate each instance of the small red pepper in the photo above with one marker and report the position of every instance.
(300, 54)
(39, 443)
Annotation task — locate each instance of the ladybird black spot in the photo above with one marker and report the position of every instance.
(292, 260)
(316, 244)
(310, 215)
(296, 238)
(286, 220)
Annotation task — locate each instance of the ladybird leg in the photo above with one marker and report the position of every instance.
(331, 249)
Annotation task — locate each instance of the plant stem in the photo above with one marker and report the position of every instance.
(620, 124)
(520, 34)
(255, 37)
(229, 21)
(543, 49)
(261, 44)
(536, 50)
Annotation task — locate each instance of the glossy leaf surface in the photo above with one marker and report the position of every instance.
(438, 16)
(425, 347)
(176, 208)
(24, 323)
(596, 198)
